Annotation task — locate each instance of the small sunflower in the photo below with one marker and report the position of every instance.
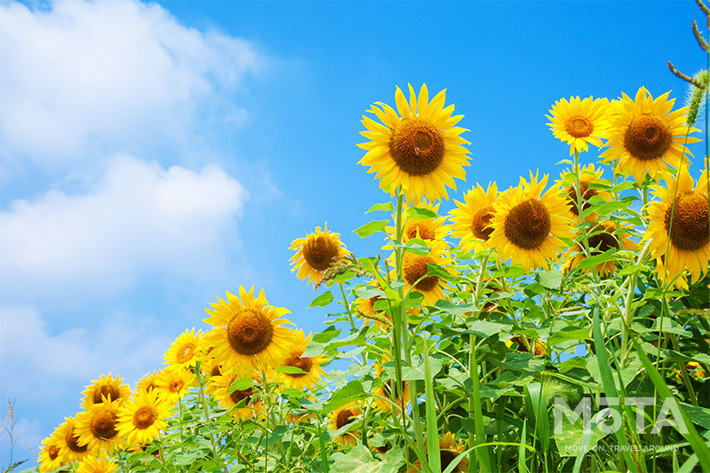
(579, 122)
(97, 427)
(425, 229)
(247, 400)
(73, 449)
(184, 351)
(681, 229)
(343, 416)
(415, 269)
(248, 333)
(102, 464)
(518, 340)
(174, 385)
(316, 253)
(527, 224)
(472, 217)
(604, 237)
(588, 175)
(387, 391)
(109, 387)
(646, 136)
(148, 382)
(142, 419)
(448, 451)
(365, 308)
(51, 453)
(420, 149)
(312, 366)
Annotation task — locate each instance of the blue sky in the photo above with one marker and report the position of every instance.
(156, 155)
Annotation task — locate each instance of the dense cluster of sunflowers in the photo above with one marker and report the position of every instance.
(583, 223)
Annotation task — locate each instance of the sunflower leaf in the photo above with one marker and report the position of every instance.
(241, 384)
(416, 213)
(595, 260)
(371, 228)
(322, 300)
(386, 207)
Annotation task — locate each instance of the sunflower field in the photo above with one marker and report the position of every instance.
(560, 325)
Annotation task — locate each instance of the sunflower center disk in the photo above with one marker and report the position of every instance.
(690, 230)
(319, 252)
(107, 390)
(426, 229)
(579, 126)
(144, 418)
(249, 332)
(417, 146)
(303, 363)
(239, 395)
(414, 267)
(53, 452)
(480, 221)
(344, 417)
(103, 425)
(447, 456)
(527, 224)
(647, 137)
(176, 386)
(587, 194)
(605, 241)
(73, 443)
(186, 352)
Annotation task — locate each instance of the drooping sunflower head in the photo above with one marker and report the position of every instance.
(72, 448)
(604, 236)
(678, 228)
(389, 394)
(248, 333)
(579, 122)
(342, 417)
(173, 385)
(527, 224)
(142, 420)
(97, 427)
(310, 365)
(646, 136)
(184, 353)
(589, 176)
(100, 464)
(417, 148)
(51, 455)
(415, 270)
(107, 387)
(316, 253)
(471, 218)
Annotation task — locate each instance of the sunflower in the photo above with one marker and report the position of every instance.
(248, 333)
(51, 455)
(174, 385)
(579, 122)
(646, 136)
(248, 403)
(386, 393)
(184, 351)
(419, 150)
(365, 308)
(102, 464)
(312, 366)
(414, 272)
(97, 427)
(604, 237)
(518, 340)
(316, 253)
(142, 419)
(343, 416)
(472, 217)
(679, 234)
(588, 175)
(448, 451)
(527, 224)
(109, 387)
(73, 449)
(433, 228)
(148, 382)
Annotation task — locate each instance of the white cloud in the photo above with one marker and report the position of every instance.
(89, 76)
(135, 219)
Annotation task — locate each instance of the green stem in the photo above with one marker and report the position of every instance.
(628, 305)
(208, 419)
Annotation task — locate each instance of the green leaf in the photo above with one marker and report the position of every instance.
(415, 373)
(386, 207)
(416, 213)
(322, 300)
(484, 328)
(350, 392)
(438, 271)
(290, 370)
(241, 384)
(595, 260)
(551, 280)
(372, 227)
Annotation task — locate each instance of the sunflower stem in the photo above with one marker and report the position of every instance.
(208, 418)
(628, 304)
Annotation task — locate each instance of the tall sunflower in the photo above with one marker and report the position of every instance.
(588, 175)
(418, 147)
(579, 122)
(312, 366)
(646, 136)
(142, 419)
(603, 237)
(472, 217)
(97, 427)
(92, 464)
(109, 387)
(73, 449)
(679, 230)
(316, 253)
(248, 333)
(184, 351)
(527, 224)
(343, 416)
(51, 455)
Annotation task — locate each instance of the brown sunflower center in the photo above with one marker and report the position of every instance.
(53, 452)
(587, 194)
(238, 395)
(647, 137)
(215, 371)
(480, 221)
(414, 267)
(144, 418)
(579, 126)
(417, 146)
(528, 224)
(73, 443)
(319, 252)
(103, 425)
(176, 385)
(186, 352)
(690, 230)
(426, 229)
(343, 418)
(111, 392)
(604, 240)
(304, 363)
(250, 332)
